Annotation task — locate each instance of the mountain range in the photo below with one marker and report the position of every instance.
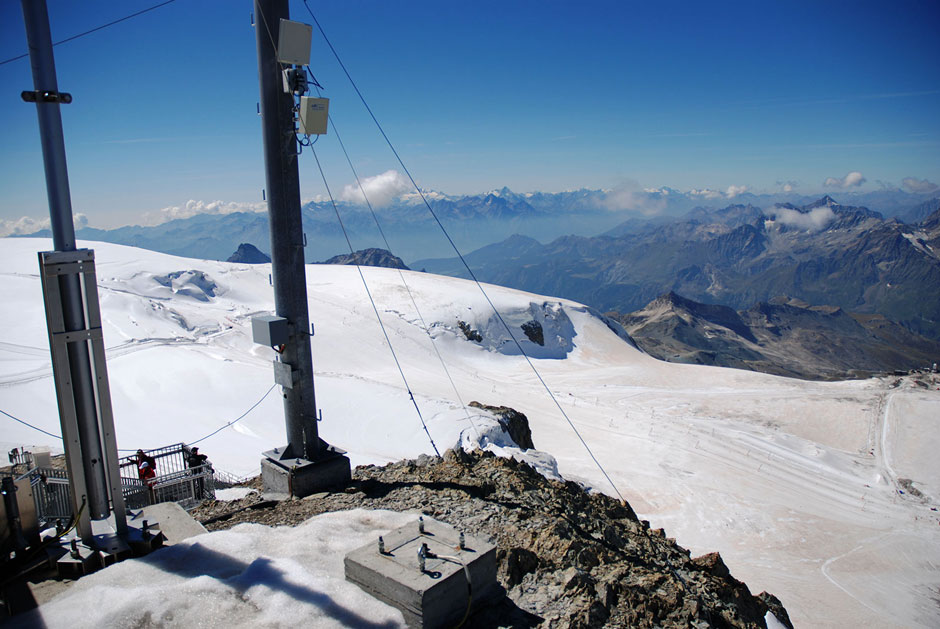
(784, 336)
(822, 253)
(472, 221)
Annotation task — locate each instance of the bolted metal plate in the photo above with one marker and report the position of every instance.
(438, 596)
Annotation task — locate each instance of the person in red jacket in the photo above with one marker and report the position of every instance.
(147, 470)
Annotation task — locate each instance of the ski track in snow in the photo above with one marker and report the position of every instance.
(781, 476)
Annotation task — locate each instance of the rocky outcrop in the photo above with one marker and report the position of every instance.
(533, 331)
(468, 332)
(513, 422)
(566, 557)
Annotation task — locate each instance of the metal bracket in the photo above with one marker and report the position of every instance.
(47, 97)
(81, 262)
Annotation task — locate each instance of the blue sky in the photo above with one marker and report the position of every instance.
(479, 95)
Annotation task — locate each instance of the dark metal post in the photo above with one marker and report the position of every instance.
(287, 247)
(63, 236)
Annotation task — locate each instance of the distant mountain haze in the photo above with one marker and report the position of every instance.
(822, 252)
(472, 221)
(620, 249)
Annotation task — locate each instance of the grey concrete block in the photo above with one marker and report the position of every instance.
(173, 520)
(438, 596)
(305, 478)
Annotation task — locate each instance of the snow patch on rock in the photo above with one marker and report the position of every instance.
(489, 435)
(194, 284)
(557, 331)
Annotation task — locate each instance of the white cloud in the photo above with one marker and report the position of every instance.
(853, 180)
(628, 196)
(709, 194)
(812, 221)
(787, 186)
(706, 193)
(919, 185)
(28, 225)
(192, 208)
(380, 189)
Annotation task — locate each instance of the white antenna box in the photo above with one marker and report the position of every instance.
(314, 115)
(293, 42)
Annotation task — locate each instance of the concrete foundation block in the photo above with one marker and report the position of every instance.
(438, 596)
(300, 478)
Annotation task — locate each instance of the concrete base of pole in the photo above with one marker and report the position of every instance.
(107, 547)
(436, 596)
(285, 476)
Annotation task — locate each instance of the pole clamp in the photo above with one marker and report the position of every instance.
(46, 97)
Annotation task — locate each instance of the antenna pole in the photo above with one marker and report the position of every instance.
(86, 450)
(307, 464)
(287, 247)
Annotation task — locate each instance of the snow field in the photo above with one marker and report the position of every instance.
(249, 576)
(795, 483)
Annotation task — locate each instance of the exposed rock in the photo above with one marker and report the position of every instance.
(470, 333)
(712, 563)
(512, 421)
(247, 253)
(908, 486)
(369, 257)
(533, 331)
(566, 557)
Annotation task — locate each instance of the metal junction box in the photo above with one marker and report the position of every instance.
(438, 595)
(314, 115)
(269, 330)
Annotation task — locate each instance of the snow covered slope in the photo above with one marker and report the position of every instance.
(795, 482)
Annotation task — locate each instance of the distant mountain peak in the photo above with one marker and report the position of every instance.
(826, 201)
(247, 253)
(369, 257)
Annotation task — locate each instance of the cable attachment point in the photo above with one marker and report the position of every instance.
(294, 80)
(46, 97)
(312, 79)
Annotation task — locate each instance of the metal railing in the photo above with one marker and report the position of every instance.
(52, 495)
(175, 481)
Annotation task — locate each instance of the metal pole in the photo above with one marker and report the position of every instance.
(63, 236)
(287, 248)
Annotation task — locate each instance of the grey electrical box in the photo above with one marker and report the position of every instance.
(293, 42)
(314, 115)
(269, 330)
